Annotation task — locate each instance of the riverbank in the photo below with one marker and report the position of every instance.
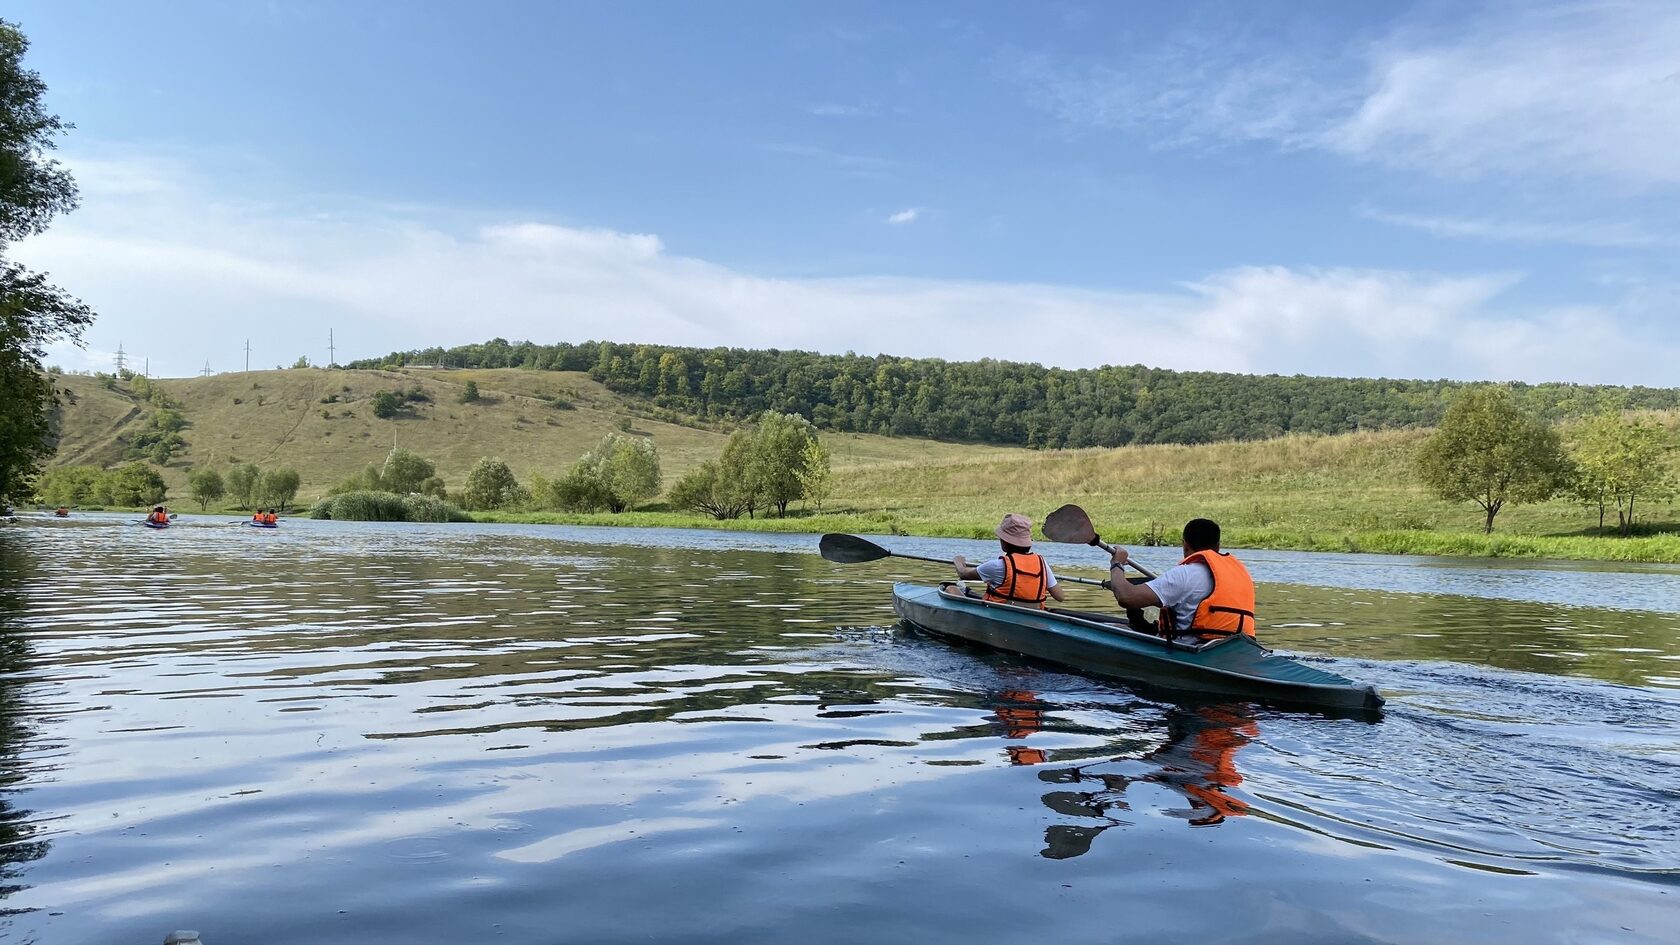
(1654, 549)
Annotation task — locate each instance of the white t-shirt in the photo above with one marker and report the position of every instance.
(1182, 588)
(993, 574)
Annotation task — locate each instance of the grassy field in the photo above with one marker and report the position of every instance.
(275, 418)
(1354, 492)
(1320, 493)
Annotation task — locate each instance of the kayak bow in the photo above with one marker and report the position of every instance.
(1103, 643)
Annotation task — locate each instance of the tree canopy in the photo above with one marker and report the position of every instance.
(1488, 451)
(1011, 403)
(33, 313)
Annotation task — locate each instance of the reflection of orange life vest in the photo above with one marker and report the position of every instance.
(1226, 611)
(1021, 715)
(1215, 747)
(1023, 581)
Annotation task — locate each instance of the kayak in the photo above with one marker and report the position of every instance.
(155, 524)
(1103, 643)
(263, 524)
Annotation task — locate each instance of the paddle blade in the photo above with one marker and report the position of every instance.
(1070, 524)
(850, 549)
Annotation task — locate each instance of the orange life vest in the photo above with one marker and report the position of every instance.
(257, 518)
(1229, 609)
(271, 519)
(1023, 581)
(161, 518)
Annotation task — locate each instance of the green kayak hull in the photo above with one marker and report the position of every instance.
(1100, 643)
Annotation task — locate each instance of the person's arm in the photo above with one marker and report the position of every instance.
(1127, 594)
(1055, 588)
(966, 571)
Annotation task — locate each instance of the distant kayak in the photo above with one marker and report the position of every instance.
(263, 524)
(155, 524)
(1101, 643)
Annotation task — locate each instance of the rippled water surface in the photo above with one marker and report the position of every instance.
(338, 732)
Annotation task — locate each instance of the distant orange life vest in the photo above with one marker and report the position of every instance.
(1023, 581)
(1229, 609)
(271, 519)
(161, 518)
(258, 517)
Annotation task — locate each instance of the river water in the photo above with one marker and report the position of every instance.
(405, 733)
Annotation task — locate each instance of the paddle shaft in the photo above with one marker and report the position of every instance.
(1134, 565)
(947, 561)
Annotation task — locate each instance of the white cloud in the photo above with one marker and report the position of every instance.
(839, 110)
(907, 215)
(182, 276)
(1619, 235)
(1585, 89)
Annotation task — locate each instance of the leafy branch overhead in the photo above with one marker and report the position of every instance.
(34, 188)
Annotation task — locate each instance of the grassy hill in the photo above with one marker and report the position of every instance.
(277, 418)
(1351, 491)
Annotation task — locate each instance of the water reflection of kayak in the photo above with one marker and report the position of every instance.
(1102, 643)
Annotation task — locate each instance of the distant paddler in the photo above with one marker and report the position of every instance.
(159, 517)
(62, 511)
(1018, 576)
(1209, 594)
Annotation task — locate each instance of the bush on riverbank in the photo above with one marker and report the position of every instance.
(386, 507)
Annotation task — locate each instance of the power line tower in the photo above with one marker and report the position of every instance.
(148, 371)
(206, 372)
(332, 352)
(122, 358)
(247, 354)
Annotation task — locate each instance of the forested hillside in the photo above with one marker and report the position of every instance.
(1009, 403)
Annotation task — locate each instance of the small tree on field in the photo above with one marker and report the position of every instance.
(491, 485)
(469, 394)
(1489, 452)
(405, 471)
(206, 487)
(385, 405)
(779, 446)
(301, 362)
(133, 484)
(242, 483)
(279, 487)
(1619, 461)
(816, 472)
(708, 490)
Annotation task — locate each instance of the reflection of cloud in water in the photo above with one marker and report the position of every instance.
(553, 848)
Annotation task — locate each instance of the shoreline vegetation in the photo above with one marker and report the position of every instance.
(1345, 492)
(1640, 549)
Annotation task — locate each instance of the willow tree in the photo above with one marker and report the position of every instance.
(1488, 451)
(34, 188)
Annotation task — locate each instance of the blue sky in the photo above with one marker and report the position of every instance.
(1440, 189)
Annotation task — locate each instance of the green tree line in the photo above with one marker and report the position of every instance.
(1011, 403)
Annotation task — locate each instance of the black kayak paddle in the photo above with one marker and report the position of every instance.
(850, 549)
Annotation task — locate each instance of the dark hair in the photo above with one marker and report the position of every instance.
(1201, 534)
(1009, 549)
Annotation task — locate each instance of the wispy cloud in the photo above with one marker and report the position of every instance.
(1584, 89)
(1616, 235)
(862, 164)
(839, 110)
(907, 215)
(175, 262)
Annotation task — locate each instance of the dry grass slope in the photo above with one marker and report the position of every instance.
(277, 418)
